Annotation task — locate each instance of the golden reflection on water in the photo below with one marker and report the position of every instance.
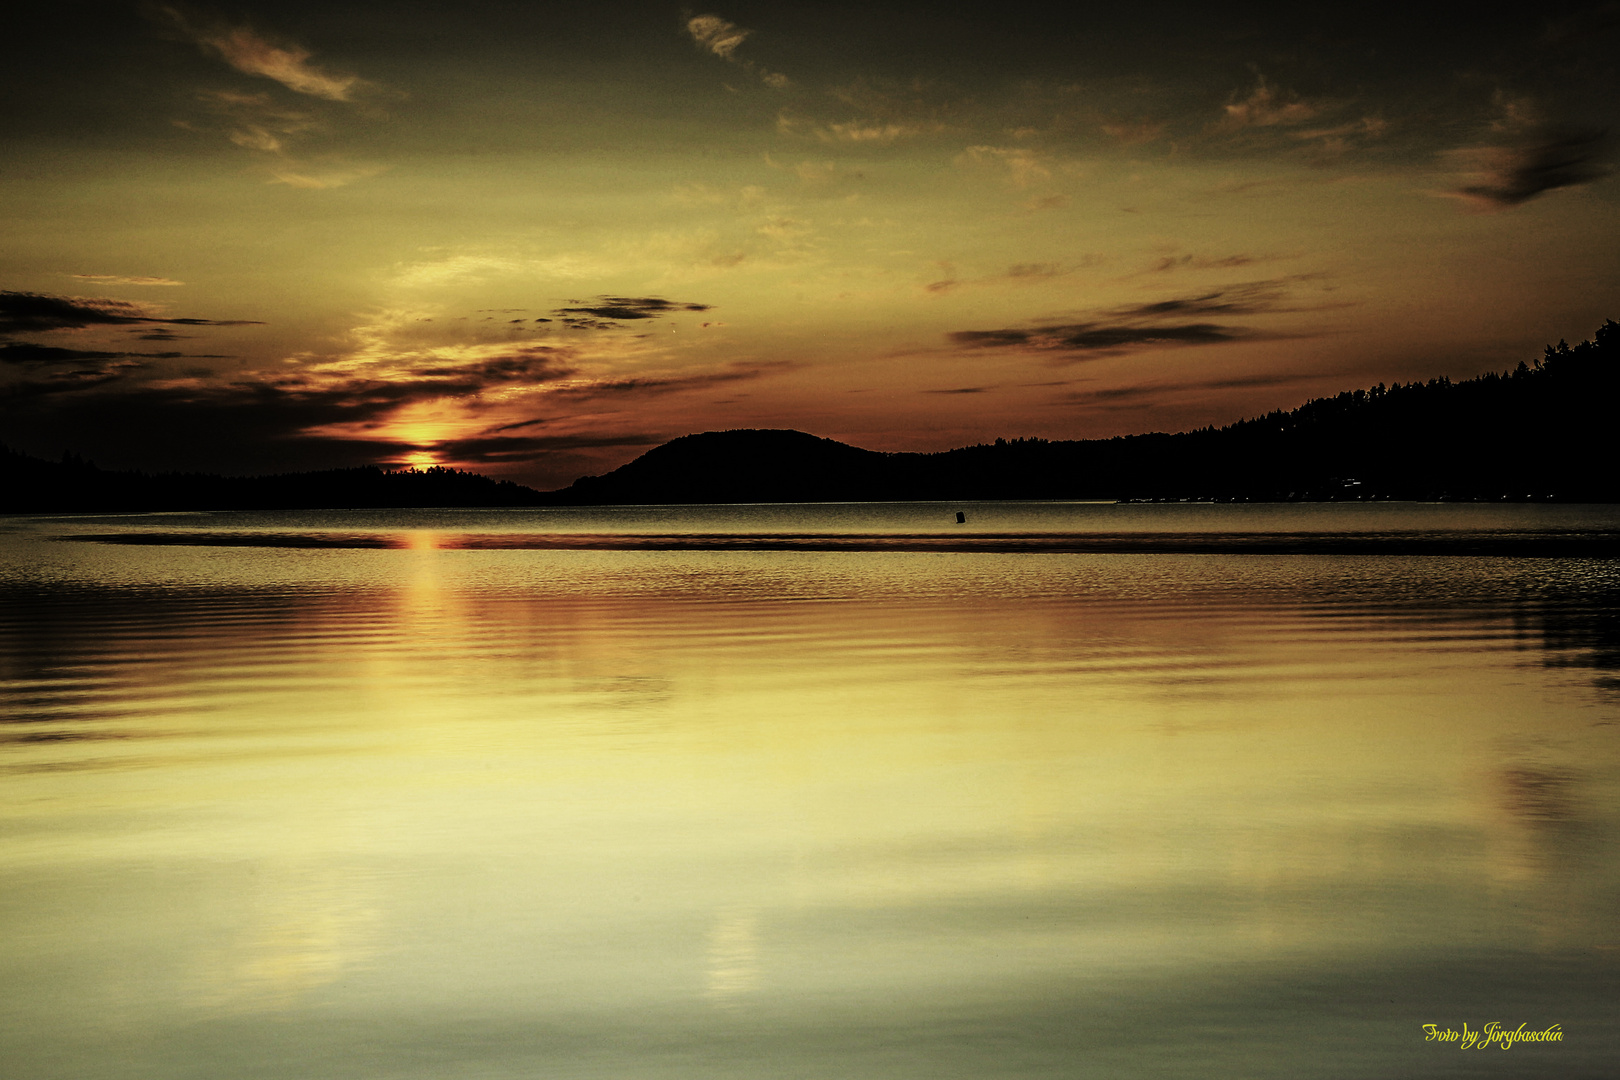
(300, 928)
(865, 791)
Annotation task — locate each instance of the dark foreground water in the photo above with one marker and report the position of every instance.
(841, 792)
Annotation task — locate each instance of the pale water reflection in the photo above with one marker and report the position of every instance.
(429, 810)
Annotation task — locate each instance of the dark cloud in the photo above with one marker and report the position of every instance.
(492, 449)
(529, 364)
(1035, 270)
(58, 382)
(1555, 159)
(654, 385)
(1246, 382)
(52, 370)
(24, 352)
(518, 425)
(1198, 262)
(24, 312)
(1249, 299)
(1095, 337)
(962, 390)
(600, 316)
(1160, 322)
(1142, 394)
(250, 424)
(1272, 296)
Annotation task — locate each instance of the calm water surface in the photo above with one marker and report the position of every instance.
(828, 791)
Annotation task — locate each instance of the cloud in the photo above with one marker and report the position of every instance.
(454, 269)
(26, 352)
(34, 312)
(1544, 160)
(282, 405)
(52, 370)
(1133, 133)
(528, 364)
(302, 177)
(258, 121)
(63, 382)
(252, 53)
(720, 38)
(1034, 271)
(1141, 394)
(1248, 298)
(657, 385)
(1020, 274)
(1266, 106)
(716, 35)
(611, 309)
(873, 113)
(1163, 322)
(1094, 337)
(493, 449)
(1168, 263)
(858, 132)
(116, 279)
(1024, 166)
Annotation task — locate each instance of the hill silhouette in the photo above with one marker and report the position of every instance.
(1540, 431)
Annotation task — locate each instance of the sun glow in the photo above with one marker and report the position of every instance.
(423, 459)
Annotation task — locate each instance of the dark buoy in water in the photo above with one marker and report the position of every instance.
(960, 517)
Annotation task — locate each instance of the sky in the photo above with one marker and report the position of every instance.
(534, 240)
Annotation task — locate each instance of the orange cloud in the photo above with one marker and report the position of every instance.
(251, 53)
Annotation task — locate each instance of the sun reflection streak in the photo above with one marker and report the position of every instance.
(733, 957)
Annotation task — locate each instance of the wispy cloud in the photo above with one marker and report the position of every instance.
(254, 53)
(26, 312)
(1093, 337)
(118, 279)
(1130, 327)
(495, 449)
(1133, 132)
(1025, 167)
(26, 352)
(871, 112)
(609, 310)
(715, 35)
(1247, 298)
(653, 385)
(1265, 106)
(1167, 263)
(48, 370)
(876, 132)
(719, 37)
(256, 120)
(1018, 274)
(1543, 159)
(317, 179)
(1142, 395)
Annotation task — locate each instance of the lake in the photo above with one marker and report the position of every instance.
(842, 791)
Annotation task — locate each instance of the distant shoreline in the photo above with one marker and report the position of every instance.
(1539, 433)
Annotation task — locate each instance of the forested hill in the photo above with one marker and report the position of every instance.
(1545, 430)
